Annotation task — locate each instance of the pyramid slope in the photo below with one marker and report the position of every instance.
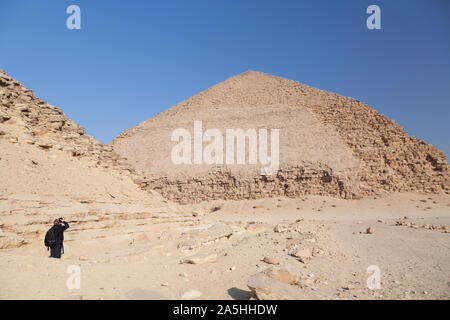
(368, 144)
(302, 139)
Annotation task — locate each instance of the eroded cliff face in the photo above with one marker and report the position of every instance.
(49, 167)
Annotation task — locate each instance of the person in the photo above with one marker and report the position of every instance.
(59, 226)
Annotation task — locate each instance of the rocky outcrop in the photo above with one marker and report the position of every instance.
(24, 218)
(267, 288)
(51, 168)
(35, 125)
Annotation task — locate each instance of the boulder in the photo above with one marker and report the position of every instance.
(302, 253)
(266, 288)
(284, 274)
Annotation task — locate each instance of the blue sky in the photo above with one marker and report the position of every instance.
(133, 59)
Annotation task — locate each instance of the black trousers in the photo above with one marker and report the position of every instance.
(55, 251)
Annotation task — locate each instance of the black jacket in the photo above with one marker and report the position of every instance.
(58, 231)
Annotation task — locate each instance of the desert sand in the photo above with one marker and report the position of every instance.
(147, 257)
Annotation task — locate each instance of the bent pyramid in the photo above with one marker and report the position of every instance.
(328, 145)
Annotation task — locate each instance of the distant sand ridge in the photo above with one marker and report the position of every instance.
(329, 145)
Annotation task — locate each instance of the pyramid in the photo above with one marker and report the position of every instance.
(328, 145)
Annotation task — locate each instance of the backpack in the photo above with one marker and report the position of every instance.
(50, 239)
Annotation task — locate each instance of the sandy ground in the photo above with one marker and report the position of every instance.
(145, 259)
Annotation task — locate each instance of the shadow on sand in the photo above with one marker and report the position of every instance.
(239, 294)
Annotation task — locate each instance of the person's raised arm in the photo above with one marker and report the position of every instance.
(66, 225)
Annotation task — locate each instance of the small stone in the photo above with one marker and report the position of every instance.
(302, 253)
(270, 260)
(45, 145)
(280, 228)
(191, 294)
(201, 258)
(347, 288)
(370, 231)
(13, 140)
(22, 107)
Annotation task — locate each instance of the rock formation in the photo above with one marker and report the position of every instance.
(50, 167)
(46, 153)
